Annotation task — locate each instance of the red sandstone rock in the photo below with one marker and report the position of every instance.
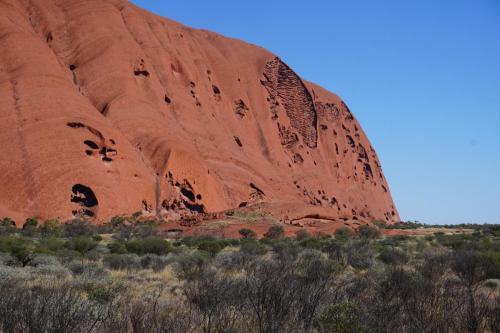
(108, 109)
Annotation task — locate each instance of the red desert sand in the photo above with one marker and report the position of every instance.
(107, 109)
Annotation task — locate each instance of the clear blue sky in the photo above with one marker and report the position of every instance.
(422, 77)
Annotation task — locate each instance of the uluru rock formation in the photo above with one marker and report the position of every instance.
(107, 109)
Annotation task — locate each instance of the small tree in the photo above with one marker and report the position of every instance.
(275, 232)
(29, 227)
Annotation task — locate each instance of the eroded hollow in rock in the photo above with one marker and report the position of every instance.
(75, 125)
(83, 195)
(238, 141)
(350, 141)
(91, 144)
(167, 99)
(240, 108)
(188, 194)
(138, 72)
(252, 185)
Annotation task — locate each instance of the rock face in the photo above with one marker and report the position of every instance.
(108, 109)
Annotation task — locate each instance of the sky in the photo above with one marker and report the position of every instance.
(421, 76)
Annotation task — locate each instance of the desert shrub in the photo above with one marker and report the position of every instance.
(6, 259)
(275, 232)
(122, 262)
(454, 241)
(7, 226)
(393, 256)
(188, 241)
(335, 250)
(76, 267)
(81, 244)
(212, 247)
(230, 261)
(117, 247)
(302, 235)
(369, 232)
(49, 266)
(97, 253)
(359, 254)
(8, 273)
(157, 246)
(151, 245)
(339, 318)
(190, 266)
(76, 227)
(285, 249)
(343, 233)
(145, 230)
(48, 308)
(67, 255)
(50, 245)
(21, 249)
(247, 234)
(30, 227)
(253, 248)
(44, 260)
(103, 229)
(232, 242)
(492, 264)
(311, 243)
(155, 262)
(87, 270)
(123, 232)
(52, 228)
(380, 224)
(469, 266)
(118, 220)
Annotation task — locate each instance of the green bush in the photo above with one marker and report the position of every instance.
(212, 247)
(122, 262)
(275, 232)
(311, 243)
(369, 232)
(393, 256)
(152, 245)
(339, 318)
(30, 227)
(21, 249)
(247, 234)
(343, 233)
(52, 228)
(117, 247)
(50, 245)
(252, 247)
(76, 227)
(7, 226)
(81, 244)
(154, 262)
